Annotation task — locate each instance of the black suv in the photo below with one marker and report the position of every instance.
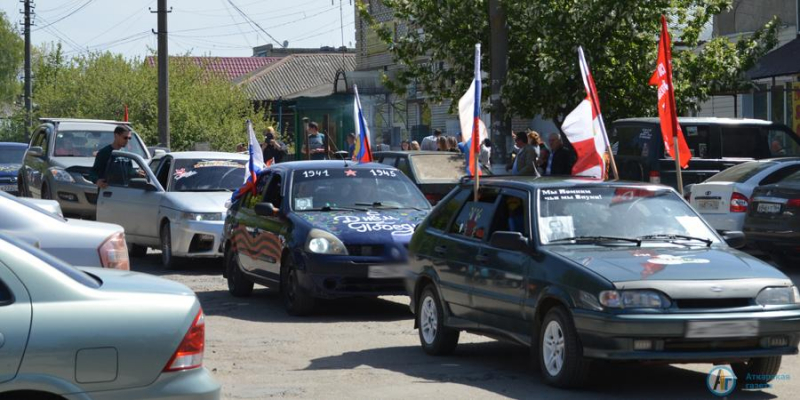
(715, 144)
(581, 270)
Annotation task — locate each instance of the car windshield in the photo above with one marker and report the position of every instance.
(742, 172)
(203, 175)
(648, 213)
(88, 143)
(11, 154)
(440, 167)
(361, 188)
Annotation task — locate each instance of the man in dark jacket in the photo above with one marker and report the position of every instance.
(273, 148)
(561, 159)
(122, 135)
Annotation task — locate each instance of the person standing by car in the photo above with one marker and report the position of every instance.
(273, 149)
(525, 162)
(431, 143)
(316, 142)
(486, 153)
(414, 146)
(560, 160)
(122, 135)
(519, 143)
(351, 145)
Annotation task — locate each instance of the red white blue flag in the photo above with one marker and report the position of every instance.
(254, 165)
(473, 130)
(362, 152)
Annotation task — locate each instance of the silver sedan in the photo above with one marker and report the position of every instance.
(96, 333)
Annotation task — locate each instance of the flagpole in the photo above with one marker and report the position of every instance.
(671, 99)
(596, 106)
(475, 125)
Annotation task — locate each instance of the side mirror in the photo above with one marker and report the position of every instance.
(142, 183)
(509, 241)
(35, 151)
(266, 209)
(735, 239)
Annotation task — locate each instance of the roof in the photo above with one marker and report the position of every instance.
(79, 120)
(784, 60)
(297, 75)
(232, 68)
(556, 182)
(214, 155)
(326, 164)
(702, 120)
(13, 144)
(413, 152)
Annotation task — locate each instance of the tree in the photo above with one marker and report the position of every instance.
(618, 36)
(11, 54)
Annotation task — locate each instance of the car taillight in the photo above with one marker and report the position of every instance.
(739, 202)
(793, 203)
(433, 198)
(114, 252)
(655, 177)
(190, 352)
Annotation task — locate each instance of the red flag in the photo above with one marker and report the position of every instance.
(126, 113)
(662, 78)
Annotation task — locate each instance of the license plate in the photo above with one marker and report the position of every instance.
(707, 204)
(8, 188)
(386, 271)
(721, 329)
(769, 208)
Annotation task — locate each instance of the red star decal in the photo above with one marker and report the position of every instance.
(350, 172)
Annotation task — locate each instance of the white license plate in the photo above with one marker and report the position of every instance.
(386, 271)
(769, 208)
(8, 188)
(721, 329)
(707, 204)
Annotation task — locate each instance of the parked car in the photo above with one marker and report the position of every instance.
(95, 333)
(11, 155)
(434, 173)
(583, 270)
(59, 159)
(723, 200)
(50, 206)
(322, 229)
(715, 144)
(773, 220)
(177, 207)
(75, 241)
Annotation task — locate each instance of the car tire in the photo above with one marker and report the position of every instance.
(136, 250)
(760, 370)
(560, 351)
(296, 300)
(238, 284)
(168, 261)
(435, 338)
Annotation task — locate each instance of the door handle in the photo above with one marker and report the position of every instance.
(482, 258)
(440, 249)
(107, 194)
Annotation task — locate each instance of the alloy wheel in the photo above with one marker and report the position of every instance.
(553, 348)
(429, 320)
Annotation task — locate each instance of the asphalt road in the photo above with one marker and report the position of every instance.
(368, 349)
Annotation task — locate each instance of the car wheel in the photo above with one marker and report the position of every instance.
(238, 284)
(560, 353)
(136, 250)
(297, 301)
(436, 339)
(167, 259)
(45, 193)
(757, 371)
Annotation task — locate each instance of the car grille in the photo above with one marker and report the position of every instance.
(91, 198)
(713, 303)
(694, 345)
(367, 250)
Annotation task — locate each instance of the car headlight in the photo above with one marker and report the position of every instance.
(772, 296)
(114, 252)
(61, 175)
(322, 242)
(633, 299)
(202, 216)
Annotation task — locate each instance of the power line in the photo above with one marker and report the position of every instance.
(228, 10)
(322, 33)
(125, 18)
(67, 15)
(243, 14)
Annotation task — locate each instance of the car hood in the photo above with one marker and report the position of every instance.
(365, 227)
(9, 169)
(199, 202)
(66, 162)
(114, 280)
(654, 264)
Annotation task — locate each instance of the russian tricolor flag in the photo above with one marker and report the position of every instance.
(362, 152)
(473, 130)
(254, 165)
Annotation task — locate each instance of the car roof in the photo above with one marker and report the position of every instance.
(326, 164)
(83, 120)
(412, 152)
(13, 144)
(216, 155)
(701, 120)
(545, 182)
(89, 125)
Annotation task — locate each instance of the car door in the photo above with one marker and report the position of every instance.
(127, 202)
(271, 229)
(15, 314)
(35, 164)
(247, 228)
(499, 283)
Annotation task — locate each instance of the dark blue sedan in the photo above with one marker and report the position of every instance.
(11, 155)
(322, 229)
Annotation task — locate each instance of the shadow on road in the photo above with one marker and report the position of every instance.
(505, 369)
(151, 264)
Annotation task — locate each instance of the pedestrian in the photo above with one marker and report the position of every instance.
(442, 144)
(351, 145)
(431, 143)
(526, 160)
(486, 153)
(273, 149)
(414, 145)
(122, 135)
(561, 160)
(315, 144)
(452, 144)
(404, 145)
(519, 142)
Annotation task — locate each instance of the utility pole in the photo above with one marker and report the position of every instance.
(498, 27)
(28, 105)
(163, 75)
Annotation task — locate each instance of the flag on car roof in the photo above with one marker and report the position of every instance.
(253, 166)
(585, 129)
(667, 113)
(362, 152)
(473, 130)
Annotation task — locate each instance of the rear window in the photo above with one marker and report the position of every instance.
(66, 269)
(741, 173)
(793, 178)
(633, 140)
(447, 168)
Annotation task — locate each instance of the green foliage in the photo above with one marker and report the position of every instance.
(11, 58)
(619, 38)
(204, 107)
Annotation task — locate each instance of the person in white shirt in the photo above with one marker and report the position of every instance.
(486, 153)
(430, 143)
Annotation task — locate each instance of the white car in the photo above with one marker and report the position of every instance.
(176, 204)
(723, 199)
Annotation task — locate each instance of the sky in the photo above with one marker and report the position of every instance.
(199, 27)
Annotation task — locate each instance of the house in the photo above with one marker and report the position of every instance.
(231, 68)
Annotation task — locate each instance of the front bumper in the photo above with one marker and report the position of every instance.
(195, 384)
(767, 240)
(76, 199)
(612, 337)
(197, 239)
(325, 276)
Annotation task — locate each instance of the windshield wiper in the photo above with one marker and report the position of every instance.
(599, 239)
(676, 237)
(378, 204)
(335, 208)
